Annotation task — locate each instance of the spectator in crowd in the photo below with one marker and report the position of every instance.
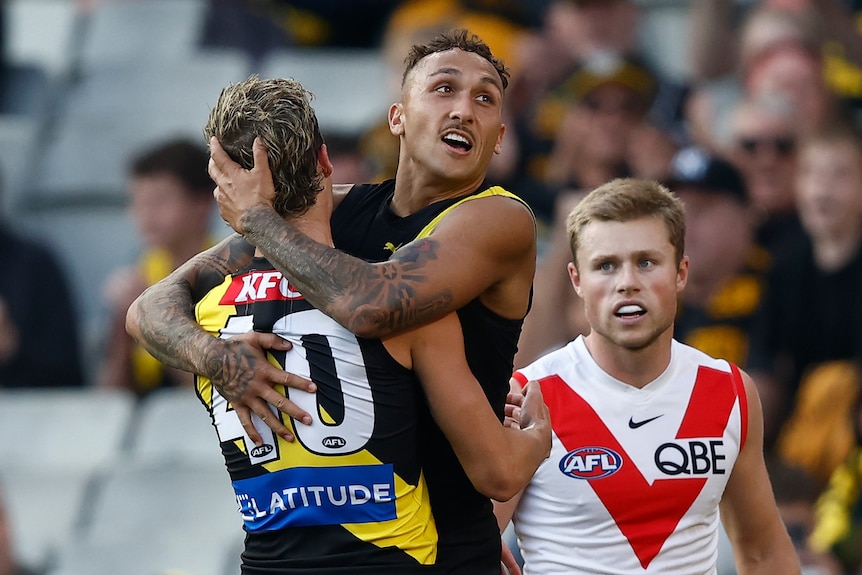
(171, 207)
(716, 36)
(36, 306)
(572, 33)
(577, 136)
(763, 146)
(655, 141)
(812, 313)
(557, 312)
(779, 55)
(837, 526)
(726, 274)
(349, 162)
(821, 431)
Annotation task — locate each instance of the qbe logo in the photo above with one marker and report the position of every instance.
(591, 463)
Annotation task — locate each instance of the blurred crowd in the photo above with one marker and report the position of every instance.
(760, 137)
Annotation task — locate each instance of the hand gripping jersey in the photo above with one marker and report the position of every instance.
(635, 475)
(348, 495)
(363, 225)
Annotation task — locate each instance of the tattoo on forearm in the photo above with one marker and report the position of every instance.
(361, 296)
(166, 317)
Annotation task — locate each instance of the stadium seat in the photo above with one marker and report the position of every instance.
(42, 32)
(18, 136)
(151, 518)
(173, 424)
(77, 430)
(115, 111)
(349, 86)
(43, 508)
(130, 31)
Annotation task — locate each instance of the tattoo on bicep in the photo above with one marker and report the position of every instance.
(393, 296)
(166, 314)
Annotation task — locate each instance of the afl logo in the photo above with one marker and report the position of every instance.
(333, 442)
(261, 450)
(591, 463)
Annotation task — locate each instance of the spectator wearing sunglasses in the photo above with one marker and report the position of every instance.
(763, 142)
(780, 53)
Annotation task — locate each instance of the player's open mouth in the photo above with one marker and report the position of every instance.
(458, 141)
(630, 311)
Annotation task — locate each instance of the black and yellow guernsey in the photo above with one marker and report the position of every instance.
(348, 496)
(363, 225)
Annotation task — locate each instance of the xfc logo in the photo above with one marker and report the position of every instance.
(591, 463)
(691, 458)
(259, 286)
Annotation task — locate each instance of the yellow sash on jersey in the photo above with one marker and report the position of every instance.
(492, 191)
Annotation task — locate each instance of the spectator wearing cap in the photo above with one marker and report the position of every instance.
(727, 270)
(576, 137)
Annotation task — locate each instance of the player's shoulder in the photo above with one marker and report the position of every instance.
(554, 362)
(489, 211)
(685, 354)
(497, 198)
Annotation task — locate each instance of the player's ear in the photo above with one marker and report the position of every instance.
(499, 145)
(324, 162)
(396, 119)
(682, 274)
(575, 277)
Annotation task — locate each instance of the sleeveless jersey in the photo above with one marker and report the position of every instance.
(347, 496)
(635, 475)
(363, 225)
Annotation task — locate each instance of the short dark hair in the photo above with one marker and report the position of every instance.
(182, 158)
(279, 112)
(461, 39)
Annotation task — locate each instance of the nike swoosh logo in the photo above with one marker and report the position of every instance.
(635, 424)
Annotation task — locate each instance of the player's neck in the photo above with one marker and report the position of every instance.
(416, 188)
(635, 367)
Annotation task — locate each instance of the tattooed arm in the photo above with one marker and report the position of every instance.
(162, 319)
(484, 248)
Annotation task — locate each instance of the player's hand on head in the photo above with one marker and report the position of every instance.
(245, 377)
(238, 189)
